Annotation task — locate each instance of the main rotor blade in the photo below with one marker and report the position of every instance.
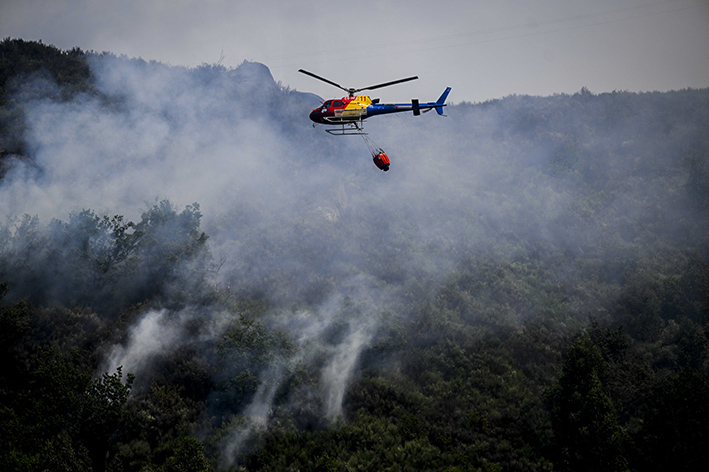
(372, 87)
(324, 79)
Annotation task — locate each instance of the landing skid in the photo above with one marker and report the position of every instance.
(347, 129)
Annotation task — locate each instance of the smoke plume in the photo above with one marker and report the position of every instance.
(304, 220)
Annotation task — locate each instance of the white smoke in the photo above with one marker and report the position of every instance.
(159, 332)
(337, 374)
(297, 216)
(309, 330)
(152, 335)
(254, 418)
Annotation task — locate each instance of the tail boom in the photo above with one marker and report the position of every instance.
(414, 106)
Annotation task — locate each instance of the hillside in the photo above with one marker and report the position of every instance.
(194, 278)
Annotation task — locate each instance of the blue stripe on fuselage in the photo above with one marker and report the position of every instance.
(385, 108)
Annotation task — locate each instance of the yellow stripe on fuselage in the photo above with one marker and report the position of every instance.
(362, 101)
(356, 107)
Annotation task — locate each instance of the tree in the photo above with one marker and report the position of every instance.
(14, 322)
(104, 415)
(172, 251)
(584, 419)
(676, 424)
(187, 457)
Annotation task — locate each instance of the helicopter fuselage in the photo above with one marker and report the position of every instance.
(355, 109)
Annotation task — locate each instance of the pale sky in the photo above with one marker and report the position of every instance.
(483, 49)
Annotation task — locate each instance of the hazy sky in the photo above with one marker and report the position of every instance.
(483, 49)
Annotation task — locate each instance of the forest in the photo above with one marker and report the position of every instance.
(193, 278)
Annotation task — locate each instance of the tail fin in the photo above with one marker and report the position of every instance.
(441, 102)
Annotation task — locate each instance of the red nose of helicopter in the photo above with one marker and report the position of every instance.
(318, 115)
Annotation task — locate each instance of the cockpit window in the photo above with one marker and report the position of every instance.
(327, 104)
(337, 103)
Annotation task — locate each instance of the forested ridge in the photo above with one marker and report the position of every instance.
(195, 279)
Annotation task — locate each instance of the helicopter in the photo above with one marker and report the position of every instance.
(351, 111)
